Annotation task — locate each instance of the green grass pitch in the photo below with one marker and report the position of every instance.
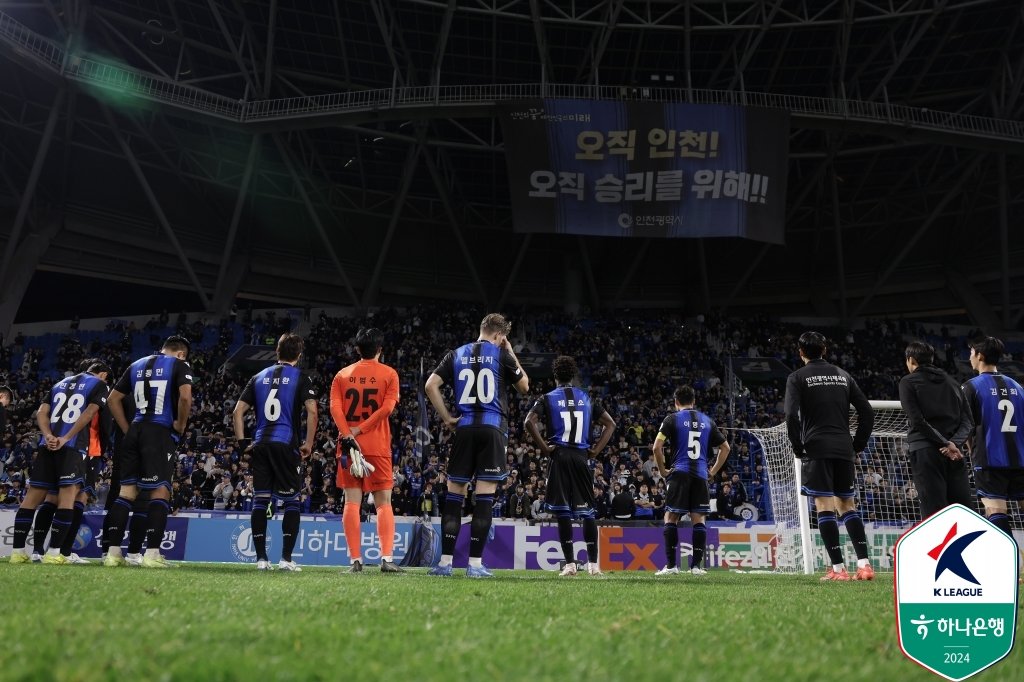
(228, 622)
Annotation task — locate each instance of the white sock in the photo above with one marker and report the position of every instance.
(838, 567)
(861, 563)
(114, 552)
(152, 553)
(476, 562)
(446, 560)
(388, 559)
(52, 552)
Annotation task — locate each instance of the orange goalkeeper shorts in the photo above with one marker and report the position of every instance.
(381, 479)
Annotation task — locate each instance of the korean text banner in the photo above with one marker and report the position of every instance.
(646, 169)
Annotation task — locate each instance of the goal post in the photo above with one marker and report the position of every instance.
(885, 493)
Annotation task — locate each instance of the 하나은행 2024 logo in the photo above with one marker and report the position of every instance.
(956, 593)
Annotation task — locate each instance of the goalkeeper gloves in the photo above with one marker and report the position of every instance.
(358, 466)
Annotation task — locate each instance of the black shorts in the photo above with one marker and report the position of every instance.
(1000, 484)
(53, 469)
(275, 471)
(147, 458)
(90, 472)
(479, 452)
(828, 478)
(685, 493)
(570, 486)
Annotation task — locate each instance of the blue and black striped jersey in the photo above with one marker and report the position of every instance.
(691, 435)
(153, 381)
(278, 395)
(997, 405)
(480, 374)
(568, 415)
(68, 399)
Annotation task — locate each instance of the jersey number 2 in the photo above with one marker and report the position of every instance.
(1008, 425)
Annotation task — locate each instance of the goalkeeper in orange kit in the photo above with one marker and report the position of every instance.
(363, 395)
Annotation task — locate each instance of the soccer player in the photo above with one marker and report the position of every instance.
(46, 509)
(139, 520)
(63, 422)
(691, 435)
(363, 396)
(479, 374)
(997, 444)
(162, 386)
(818, 399)
(279, 393)
(99, 435)
(940, 422)
(568, 413)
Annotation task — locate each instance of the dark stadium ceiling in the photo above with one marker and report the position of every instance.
(412, 202)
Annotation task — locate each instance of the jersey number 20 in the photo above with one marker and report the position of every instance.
(483, 385)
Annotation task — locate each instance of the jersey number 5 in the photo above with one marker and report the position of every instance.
(693, 445)
(357, 399)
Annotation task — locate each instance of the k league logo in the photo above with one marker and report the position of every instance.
(956, 593)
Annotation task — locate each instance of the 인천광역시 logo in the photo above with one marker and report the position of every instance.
(956, 593)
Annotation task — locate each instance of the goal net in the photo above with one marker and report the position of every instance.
(886, 496)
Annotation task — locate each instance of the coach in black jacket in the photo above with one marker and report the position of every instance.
(818, 399)
(940, 421)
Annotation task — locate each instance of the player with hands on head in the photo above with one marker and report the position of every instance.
(568, 415)
(279, 395)
(479, 373)
(363, 396)
(817, 405)
(691, 434)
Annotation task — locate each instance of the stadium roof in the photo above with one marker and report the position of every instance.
(348, 152)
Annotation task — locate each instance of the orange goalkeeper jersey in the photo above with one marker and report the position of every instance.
(365, 394)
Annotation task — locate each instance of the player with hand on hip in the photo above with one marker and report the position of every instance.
(568, 413)
(691, 435)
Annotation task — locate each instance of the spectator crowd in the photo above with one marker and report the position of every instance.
(630, 361)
